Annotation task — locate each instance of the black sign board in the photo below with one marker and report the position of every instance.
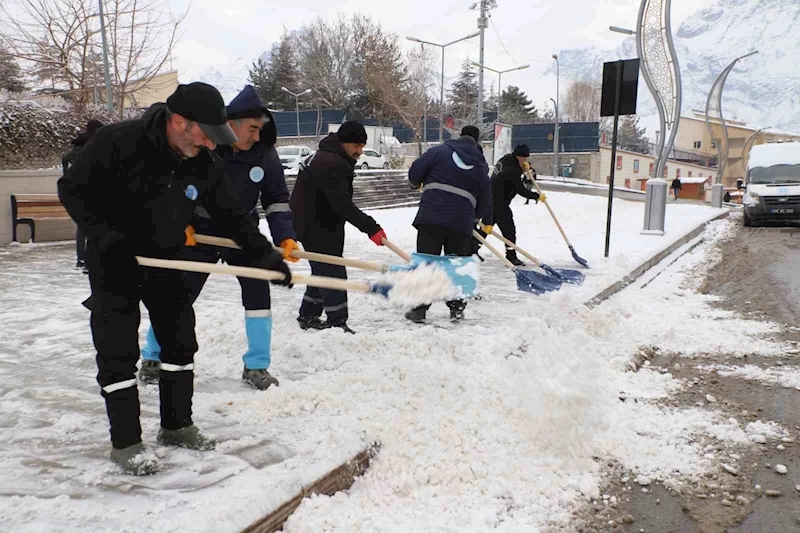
(629, 88)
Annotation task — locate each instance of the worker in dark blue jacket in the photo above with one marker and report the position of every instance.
(255, 171)
(456, 195)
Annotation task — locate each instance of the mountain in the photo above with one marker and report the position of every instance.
(762, 90)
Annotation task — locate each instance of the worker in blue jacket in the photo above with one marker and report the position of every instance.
(255, 171)
(456, 195)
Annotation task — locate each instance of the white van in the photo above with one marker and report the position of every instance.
(772, 191)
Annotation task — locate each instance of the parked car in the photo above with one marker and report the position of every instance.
(372, 159)
(292, 155)
(772, 186)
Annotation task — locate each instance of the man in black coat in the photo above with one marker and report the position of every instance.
(676, 187)
(506, 184)
(132, 190)
(322, 202)
(66, 161)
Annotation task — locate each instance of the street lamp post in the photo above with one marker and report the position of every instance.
(441, 96)
(499, 82)
(297, 105)
(556, 144)
(109, 101)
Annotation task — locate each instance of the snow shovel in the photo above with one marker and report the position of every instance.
(267, 275)
(563, 274)
(575, 255)
(527, 280)
(462, 271)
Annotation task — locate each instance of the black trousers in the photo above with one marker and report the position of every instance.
(80, 245)
(316, 300)
(504, 218)
(117, 289)
(434, 239)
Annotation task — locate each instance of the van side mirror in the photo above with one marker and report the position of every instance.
(739, 184)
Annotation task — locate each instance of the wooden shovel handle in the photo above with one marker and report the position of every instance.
(300, 254)
(254, 273)
(517, 248)
(494, 250)
(550, 209)
(396, 249)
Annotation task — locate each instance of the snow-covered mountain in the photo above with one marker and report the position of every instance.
(763, 90)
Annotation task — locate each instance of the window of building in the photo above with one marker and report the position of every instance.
(690, 173)
(619, 162)
(666, 171)
(698, 144)
(608, 180)
(678, 173)
(652, 167)
(635, 166)
(628, 183)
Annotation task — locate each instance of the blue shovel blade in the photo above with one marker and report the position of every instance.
(564, 274)
(533, 282)
(464, 272)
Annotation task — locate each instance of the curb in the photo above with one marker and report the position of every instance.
(650, 263)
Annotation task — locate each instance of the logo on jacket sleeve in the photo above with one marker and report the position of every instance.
(256, 174)
(191, 193)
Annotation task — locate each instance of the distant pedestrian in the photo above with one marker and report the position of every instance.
(727, 197)
(676, 187)
(66, 162)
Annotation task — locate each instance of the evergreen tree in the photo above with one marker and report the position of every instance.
(463, 96)
(516, 107)
(10, 78)
(631, 137)
(283, 72)
(260, 78)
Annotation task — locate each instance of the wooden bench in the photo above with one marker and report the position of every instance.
(28, 208)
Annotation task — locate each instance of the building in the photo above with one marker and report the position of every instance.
(693, 138)
(144, 93)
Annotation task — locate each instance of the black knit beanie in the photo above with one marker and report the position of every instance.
(352, 132)
(471, 131)
(522, 150)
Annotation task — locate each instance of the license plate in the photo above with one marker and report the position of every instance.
(782, 211)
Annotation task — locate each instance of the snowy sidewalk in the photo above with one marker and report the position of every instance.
(485, 425)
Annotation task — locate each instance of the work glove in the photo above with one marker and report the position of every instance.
(542, 198)
(526, 166)
(274, 261)
(289, 245)
(189, 231)
(378, 237)
(486, 228)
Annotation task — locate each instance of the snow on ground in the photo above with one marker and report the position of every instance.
(788, 377)
(493, 424)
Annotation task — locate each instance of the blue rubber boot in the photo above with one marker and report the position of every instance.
(258, 326)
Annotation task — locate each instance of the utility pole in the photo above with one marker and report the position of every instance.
(556, 145)
(483, 23)
(296, 106)
(109, 101)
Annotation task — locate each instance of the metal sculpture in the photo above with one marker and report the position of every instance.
(714, 108)
(661, 72)
(748, 144)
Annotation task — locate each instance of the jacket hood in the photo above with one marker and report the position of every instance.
(154, 123)
(331, 143)
(468, 151)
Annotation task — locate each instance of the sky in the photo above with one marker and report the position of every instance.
(230, 36)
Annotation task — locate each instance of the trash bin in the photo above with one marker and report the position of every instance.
(655, 207)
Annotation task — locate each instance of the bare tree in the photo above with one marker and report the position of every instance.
(582, 102)
(58, 43)
(141, 40)
(405, 99)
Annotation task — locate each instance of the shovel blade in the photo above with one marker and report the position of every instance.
(464, 272)
(565, 275)
(578, 258)
(535, 283)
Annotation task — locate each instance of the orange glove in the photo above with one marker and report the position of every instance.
(189, 231)
(289, 245)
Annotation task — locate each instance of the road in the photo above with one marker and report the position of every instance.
(758, 277)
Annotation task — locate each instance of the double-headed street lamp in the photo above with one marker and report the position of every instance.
(441, 97)
(556, 102)
(499, 78)
(297, 105)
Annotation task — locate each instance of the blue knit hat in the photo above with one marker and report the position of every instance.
(247, 104)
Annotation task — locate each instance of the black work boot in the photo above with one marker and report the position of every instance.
(311, 322)
(135, 460)
(457, 310)
(150, 372)
(189, 437)
(417, 315)
(511, 255)
(341, 325)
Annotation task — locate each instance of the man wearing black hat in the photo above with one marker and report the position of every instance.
(255, 171)
(132, 190)
(456, 192)
(322, 202)
(506, 184)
